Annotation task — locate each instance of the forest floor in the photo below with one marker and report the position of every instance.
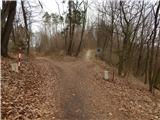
(72, 89)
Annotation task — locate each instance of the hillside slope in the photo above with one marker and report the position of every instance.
(72, 89)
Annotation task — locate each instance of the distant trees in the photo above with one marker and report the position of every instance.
(132, 43)
(48, 34)
(62, 29)
(76, 17)
(83, 20)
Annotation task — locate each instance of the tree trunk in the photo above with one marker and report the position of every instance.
(150, 70)
(140, 49)
(70, 29)
(26, 26)
(146, 64)
(82, 33)
(8, 26)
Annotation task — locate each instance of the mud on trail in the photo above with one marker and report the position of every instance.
(74, 89)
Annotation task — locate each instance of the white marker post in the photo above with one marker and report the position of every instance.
(106, 75)
(14, 67)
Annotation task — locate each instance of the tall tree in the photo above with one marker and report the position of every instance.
(8, 14)
(26, 26)
(84, 14)
(150, 69)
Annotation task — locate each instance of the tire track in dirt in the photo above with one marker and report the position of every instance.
(72, 95)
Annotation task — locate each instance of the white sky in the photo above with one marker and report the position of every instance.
(51, 7)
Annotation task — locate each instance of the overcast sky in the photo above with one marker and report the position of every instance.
(51, 6)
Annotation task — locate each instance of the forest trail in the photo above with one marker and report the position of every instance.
(89, 54)
(41, 80)
(72, 89)
(72, 86)
(80, 93)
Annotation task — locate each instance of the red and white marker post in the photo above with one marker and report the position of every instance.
(19, 58)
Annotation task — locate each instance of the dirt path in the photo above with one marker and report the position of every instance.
(72, 89)
(80, 93)
(71, 94)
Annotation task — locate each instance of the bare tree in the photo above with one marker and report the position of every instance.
(150, 69)
(84, 15)
(26, 26)
(8, 13)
